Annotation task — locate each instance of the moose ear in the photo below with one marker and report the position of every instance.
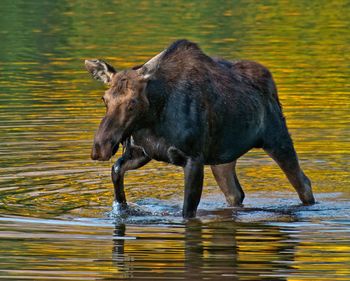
(150, 67)
(100, 70)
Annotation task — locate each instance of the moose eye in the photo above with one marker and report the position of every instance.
(132, 104)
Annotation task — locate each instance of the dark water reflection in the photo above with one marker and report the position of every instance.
(56, 216)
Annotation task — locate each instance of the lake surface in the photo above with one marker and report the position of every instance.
(56, 215)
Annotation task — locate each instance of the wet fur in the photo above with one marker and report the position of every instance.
(205, 111)
(208, 108)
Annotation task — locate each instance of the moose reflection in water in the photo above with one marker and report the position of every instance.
(188, 109)
(228, 248)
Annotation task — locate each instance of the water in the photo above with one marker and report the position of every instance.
(56, 215)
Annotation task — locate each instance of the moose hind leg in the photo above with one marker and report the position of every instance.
(226, 178)
(283, 152)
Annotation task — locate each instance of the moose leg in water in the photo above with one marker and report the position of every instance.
(279, 145)
(226, 178)
(194, 174)
(132, 158)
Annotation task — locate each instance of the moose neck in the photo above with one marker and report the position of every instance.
(157, 97)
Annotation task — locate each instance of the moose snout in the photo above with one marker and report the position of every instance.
(95, 151)
(103, 151)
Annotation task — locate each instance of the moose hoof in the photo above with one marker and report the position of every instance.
(309, 202)
(235, 202)
(120, 207)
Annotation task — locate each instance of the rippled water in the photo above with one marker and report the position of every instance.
(56, 216)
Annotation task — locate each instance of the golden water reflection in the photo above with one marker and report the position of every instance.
(194, 251)
(50, 108)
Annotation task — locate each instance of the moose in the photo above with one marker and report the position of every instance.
(189, 109)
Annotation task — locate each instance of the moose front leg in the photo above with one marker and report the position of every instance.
(118, 182)
(194, 173)
(133, 158)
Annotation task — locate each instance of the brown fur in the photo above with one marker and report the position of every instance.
(186, 108)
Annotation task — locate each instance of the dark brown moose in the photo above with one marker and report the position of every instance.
(186, 108)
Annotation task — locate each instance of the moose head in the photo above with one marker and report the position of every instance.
(125, 100)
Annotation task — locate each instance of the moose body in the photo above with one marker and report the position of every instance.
(186, 108)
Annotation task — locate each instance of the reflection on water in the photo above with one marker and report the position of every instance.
(195, 250)
(55, 203)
